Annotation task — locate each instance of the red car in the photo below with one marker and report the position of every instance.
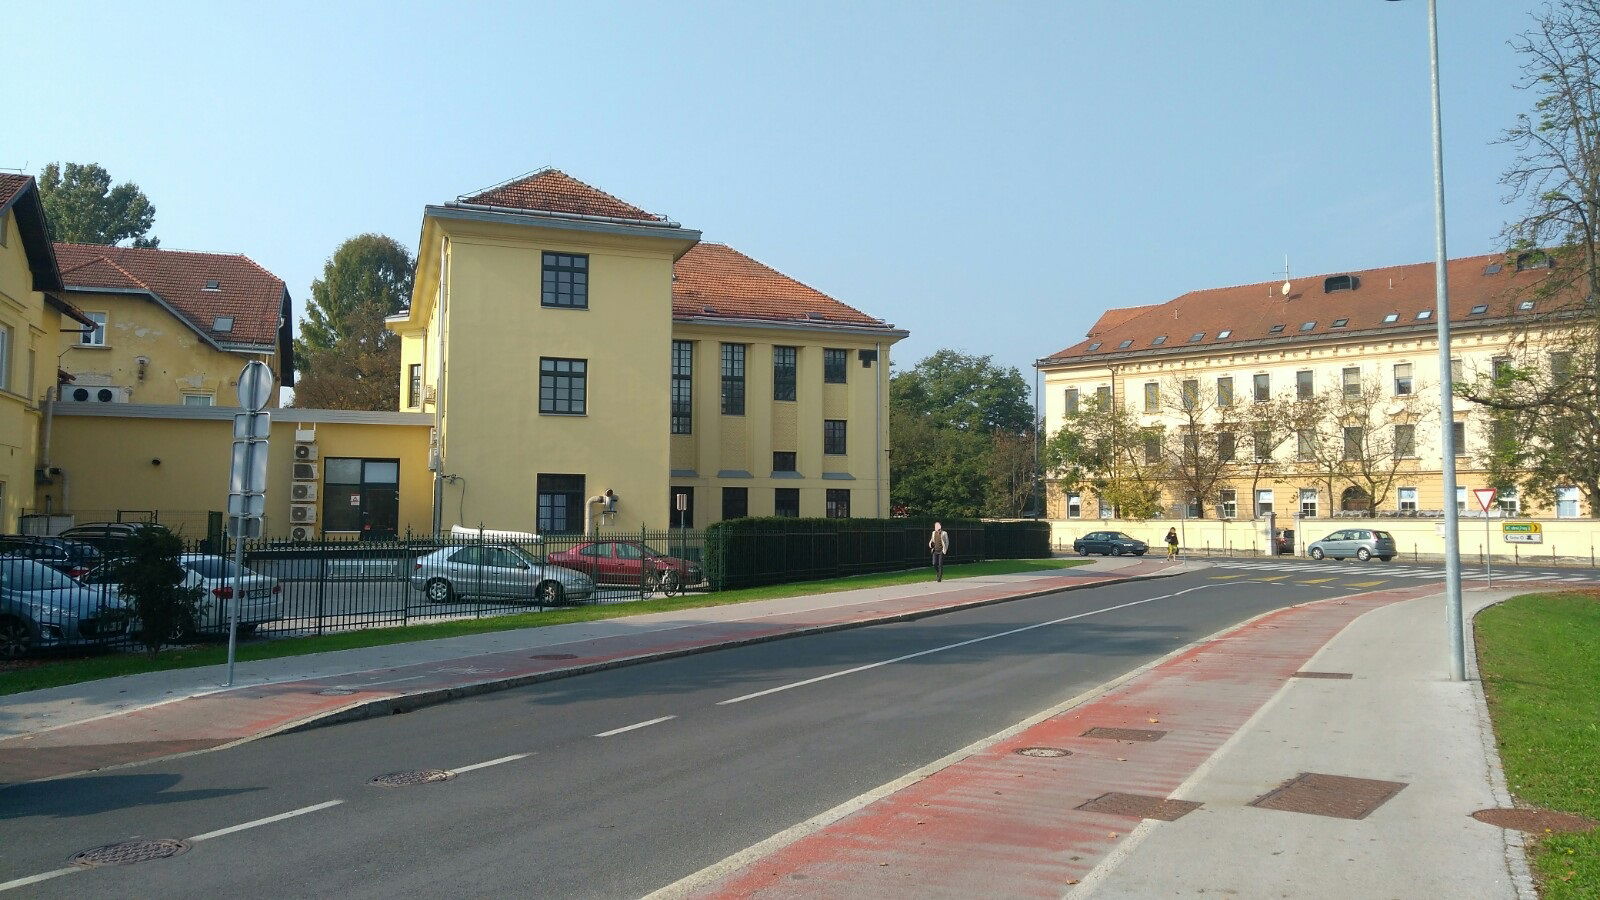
(629, 563)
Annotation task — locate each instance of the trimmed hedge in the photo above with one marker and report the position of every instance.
(750, 552)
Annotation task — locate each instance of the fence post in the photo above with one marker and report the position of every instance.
(477, 608)
(322, 581)
(643, 549)
(402, 580)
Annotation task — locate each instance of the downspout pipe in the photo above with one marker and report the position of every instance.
(877, 432)
(438, 395)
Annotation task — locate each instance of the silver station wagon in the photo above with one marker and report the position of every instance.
(497, 570)
(1362, 543)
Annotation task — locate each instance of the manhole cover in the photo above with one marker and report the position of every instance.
(1046, 752)
(1125, 734)
(335, 692)
(403, 779)
(1321, 675)
(1338, 796)
(1534, 821)
(1142, 806)
(555, 656)
(128, 852)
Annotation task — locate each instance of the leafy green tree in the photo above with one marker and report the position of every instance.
(345, 357)
(1103, 446)
(957, 390)
(83, 207)
(151, 582)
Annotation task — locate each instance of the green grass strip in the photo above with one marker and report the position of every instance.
(1540, 659)
(73, 670)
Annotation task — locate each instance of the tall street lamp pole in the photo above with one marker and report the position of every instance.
(1441, 315)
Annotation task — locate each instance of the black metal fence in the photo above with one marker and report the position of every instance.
(298, 588)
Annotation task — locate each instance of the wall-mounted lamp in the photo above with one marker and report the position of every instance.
(143, 362)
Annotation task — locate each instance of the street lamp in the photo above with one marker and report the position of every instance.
(1447, 440)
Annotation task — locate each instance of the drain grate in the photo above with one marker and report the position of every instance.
(1534, 821)
(1044, 752)
(1345, 675)
(555, 656)
(1124, 734)
(125, 853)
(1141, 805)
(406, 779)
(1337, 796)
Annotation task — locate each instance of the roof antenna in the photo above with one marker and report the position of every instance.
(1286, 285)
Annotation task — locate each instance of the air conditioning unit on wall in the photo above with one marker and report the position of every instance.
(91, 394)
(302, 513)
(305, 451)
(302, 533)
(303, 492)
(305, 471)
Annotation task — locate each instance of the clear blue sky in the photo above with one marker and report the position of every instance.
(989, 176)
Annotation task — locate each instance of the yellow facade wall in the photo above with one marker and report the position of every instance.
(177, 361)
(31, 328)
(108, 463)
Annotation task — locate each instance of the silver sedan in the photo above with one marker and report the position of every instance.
(497, 570)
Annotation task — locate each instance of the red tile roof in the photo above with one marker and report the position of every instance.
(717, 281)
(247, 292)
(11, 185)
(552, 190)
(1250, 312)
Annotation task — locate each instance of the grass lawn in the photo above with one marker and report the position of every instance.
(1540, 659)
(71, 670)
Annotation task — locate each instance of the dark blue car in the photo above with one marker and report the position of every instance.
(1109, 543)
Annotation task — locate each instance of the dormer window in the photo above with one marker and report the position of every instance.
(1158, 341)
(1224, 334)
(222, 324)
(1535, 259)
(1334, 283)
(1125, 344)
(213, 285)
(1197, 337)
(1424, 314)
(1391, 318)
(1307, 326)
(1276, 329)
(1340, 323)
(1480, 309)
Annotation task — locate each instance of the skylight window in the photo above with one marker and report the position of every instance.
(1094, 346)
(1339, 323)
(1492, 269)
(1224, 334)
(1525, 305)
(1424, 314)
(1276, 329)
(1125, 344)
(1480, 309)
(213, 285)
(222, 324)
(1307, 326)
(1159, 341)
(1197, 337)
(1391, 317)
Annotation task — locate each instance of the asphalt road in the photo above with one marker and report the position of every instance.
(615, 783)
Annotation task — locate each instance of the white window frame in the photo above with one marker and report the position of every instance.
(1569, 503)
(1305, 504)
(6, 338)
(209, 399)
(1229, 503)
(1074, 505)
(1406, 499)
(97, 337)
(1264, 499)
(1510, 503)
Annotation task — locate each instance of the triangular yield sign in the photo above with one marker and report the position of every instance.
(1485, 497)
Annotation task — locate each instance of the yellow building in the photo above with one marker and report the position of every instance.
(171, 326)
(32, 318)
(1366, 339)
(571, 345)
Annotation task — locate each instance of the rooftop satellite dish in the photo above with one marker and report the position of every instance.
(1285, 289)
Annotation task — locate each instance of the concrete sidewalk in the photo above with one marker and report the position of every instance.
(116, 721)
(1146, 789)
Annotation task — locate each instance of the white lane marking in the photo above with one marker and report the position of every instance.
(493, 762)
(976, 640)
(635, 726)
(35, 879)
(267, 821)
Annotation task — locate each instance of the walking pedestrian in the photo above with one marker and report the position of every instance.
(1172, 543)
(939, 545)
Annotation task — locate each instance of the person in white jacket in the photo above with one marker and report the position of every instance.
(939, 544)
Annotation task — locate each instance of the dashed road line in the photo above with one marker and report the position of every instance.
(243, 826)
(493, 762)
(637, 725)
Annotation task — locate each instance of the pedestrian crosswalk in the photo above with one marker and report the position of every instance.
(1391, 570)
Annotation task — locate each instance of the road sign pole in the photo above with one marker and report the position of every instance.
(1488, 550)
(247, 482)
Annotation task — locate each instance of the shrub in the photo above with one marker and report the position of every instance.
(151, 583)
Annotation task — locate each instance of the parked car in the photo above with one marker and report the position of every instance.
(215, 576)
(1109, 543)
(70, 558)
(499, 571)
(1362, 543)
(107, 537)
(1283, 540)
(41, 608)
(629, 563)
